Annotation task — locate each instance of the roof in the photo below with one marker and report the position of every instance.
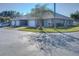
(47, 15)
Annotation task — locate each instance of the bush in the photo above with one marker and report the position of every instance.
(4, 19)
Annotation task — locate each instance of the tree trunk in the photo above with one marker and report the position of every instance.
(40, 25)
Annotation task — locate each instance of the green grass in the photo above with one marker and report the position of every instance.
(50, 30)
(28, 29)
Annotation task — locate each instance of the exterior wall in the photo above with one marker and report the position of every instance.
(50, 22)
(68, 23)
(75, 22)
(31, 23)
(15, 23)
(47, 23)
(58, 22)
(12, 22)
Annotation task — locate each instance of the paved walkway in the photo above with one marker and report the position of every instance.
(18, 43)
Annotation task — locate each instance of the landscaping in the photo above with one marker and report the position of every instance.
(49, 30)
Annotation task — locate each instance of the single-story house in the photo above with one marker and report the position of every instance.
(48, 20)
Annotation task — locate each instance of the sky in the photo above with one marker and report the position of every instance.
(24, 8)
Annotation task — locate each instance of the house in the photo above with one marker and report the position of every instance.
(48, 20)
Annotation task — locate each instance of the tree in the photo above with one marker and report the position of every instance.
(4, 19)
(38, 12)
(75, 15)
(9, 14)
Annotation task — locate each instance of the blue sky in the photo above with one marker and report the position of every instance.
(62, 8)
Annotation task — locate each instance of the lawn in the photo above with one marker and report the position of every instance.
(28, 29)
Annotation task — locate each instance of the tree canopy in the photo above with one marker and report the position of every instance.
(10, 14)
(38, 12)
(75, 15)
(4, 19)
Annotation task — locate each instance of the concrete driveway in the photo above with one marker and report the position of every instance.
(18, 43)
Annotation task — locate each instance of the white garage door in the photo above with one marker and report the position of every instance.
(31, 23)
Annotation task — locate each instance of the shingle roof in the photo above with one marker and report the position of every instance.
(46, 15)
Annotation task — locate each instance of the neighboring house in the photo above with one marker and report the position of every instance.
(48, 20)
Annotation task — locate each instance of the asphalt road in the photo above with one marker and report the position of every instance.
(13, 43)
(19, 43)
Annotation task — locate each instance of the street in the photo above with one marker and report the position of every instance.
(20, 43)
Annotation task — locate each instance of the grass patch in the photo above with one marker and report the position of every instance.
(49, 30)
(29, 29)
(74, 29)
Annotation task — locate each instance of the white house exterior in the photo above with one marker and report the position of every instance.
(23, 21)
(48, 20)
(32, 23)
